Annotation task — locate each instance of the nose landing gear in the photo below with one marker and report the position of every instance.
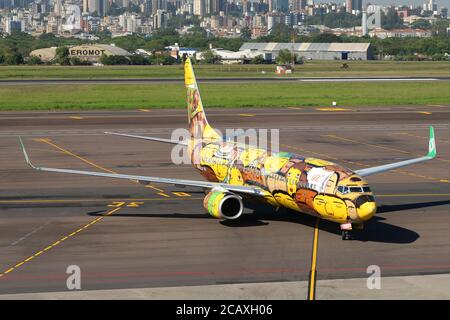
(347, 235)
(347, 230)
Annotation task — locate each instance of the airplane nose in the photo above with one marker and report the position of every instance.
(367, 210)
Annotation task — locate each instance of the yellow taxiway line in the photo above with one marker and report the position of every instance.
(58, 242)
(420, 137)
(48, 141)
(313, 271)
(424, 112)
(246, 115)
(393, 149)
(377, 146)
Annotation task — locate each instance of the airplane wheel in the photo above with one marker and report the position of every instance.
(346, 235)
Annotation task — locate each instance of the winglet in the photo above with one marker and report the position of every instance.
(27, 159)
(431, 144)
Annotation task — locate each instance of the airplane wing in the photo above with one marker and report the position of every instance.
(256, 191)
(184, 143)
(430, 155)
(149, 138)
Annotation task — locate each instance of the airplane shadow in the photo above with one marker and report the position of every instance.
(409, 206)
(375, 230)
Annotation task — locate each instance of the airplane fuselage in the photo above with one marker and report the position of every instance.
(303, 184)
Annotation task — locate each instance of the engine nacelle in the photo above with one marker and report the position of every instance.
(223, 205)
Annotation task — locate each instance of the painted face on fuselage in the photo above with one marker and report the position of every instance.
(354, 190)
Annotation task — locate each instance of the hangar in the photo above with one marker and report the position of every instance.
(93, 52)
(45, 54)
(313, 50)
(87, 52)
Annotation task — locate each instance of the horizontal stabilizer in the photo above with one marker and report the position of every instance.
(149, 138)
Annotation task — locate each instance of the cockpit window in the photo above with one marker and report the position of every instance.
(343, 189)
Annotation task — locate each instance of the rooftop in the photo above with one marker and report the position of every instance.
(305, 46)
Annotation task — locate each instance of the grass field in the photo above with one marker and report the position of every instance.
(309, 69)
(132, 96)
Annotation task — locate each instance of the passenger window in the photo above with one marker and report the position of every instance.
(366, 189)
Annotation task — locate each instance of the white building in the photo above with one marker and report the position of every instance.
(312, 51)
(13, 24)
(199, 8)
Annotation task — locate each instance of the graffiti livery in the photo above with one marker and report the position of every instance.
(236, 172)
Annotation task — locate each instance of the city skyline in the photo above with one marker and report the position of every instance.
(440, 3)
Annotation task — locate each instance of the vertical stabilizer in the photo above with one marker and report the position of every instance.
(198, 124)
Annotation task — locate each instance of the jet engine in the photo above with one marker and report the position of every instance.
(222, 205)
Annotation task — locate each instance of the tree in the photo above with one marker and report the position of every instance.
(280, 33)
(391, 20)
(129, 43)
(284, 56)
(62, 52)
(421, 24)
(162, 59)
(326, 38)
(75, 61)
(14, 58)
(154, 45)
(232, 44)
(138, 59)
(62, 56)
(208, 56)
(440, 27)
(114, 60)
(246, 34)
(259, 59)
(34, 60)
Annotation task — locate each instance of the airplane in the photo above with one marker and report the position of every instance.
(241, 172)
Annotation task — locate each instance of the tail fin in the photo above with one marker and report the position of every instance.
(198, 124)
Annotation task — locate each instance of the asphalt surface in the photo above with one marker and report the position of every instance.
(215, 79)
(124, 235)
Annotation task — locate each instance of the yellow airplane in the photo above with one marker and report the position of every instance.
(237, 172)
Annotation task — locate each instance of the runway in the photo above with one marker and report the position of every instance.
(124, 235)
(215, 80)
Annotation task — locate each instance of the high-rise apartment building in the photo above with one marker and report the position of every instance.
(199, 8)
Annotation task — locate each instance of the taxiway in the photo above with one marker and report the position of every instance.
(124, 235)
